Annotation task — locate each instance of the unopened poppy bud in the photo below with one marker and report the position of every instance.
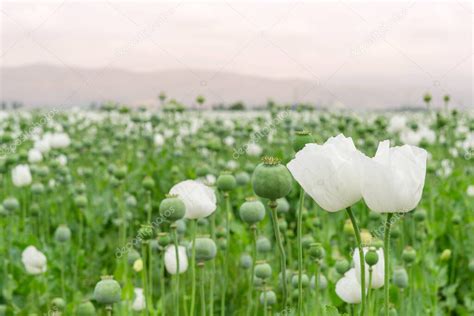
(148, 183)
(300, 139)
(445, 255)
(252, 211)
(395, 233)
(400, 278)
(246, 261)
(270, 297)
(107, 291)
(409, 255)
(145, 232)
(226, 182)
(348, 228)
(371, 257)
(80, 201)
(271, 180)
(85, 309)
(163, 239)
(306, 241)
(62, 234)
(342, 266)
(172, 208)
(316, 251)
(205, 249)
(263, 270)
(202, 222)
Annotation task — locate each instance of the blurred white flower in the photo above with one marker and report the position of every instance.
(62, 160)
(139, 302)
(59, 140)
(21, 176)
(329, 173)
(42, 145)
(34, 156)
(232, 165)
(348, 288)
(33, 260)
(229, 141)
(200, 200)
(470, 190)
(254, 149)
(159, 140)
(377, 269)
(397, 124)
(446, 168)
(170, 259)
(411, 137)
(393, 180)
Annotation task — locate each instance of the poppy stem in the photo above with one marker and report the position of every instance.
(193, 268)
(361, 258)
(369, 289)
(299, 226)
(176, 245)
(386, 246)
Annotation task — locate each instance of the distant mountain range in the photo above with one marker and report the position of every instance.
(46, 85)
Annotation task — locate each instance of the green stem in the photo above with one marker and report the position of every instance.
(162, 285)
(386, 245)
(299, 226)
(369, 289)
(176, 293)
(213, 266)
(193, 268)
(316, 286)
(203, 299)
(276, 229)
(361, 257)
(144, 273)
(63, 259)
(264, 300)
(226, 252)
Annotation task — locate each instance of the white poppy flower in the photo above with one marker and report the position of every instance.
(348, 288)
(393, 180)
(33, 260)
(329, 173)
(170, 259)
(377, 269)
(21, 176)
(34, 156)
(200, 200)
(139, 303)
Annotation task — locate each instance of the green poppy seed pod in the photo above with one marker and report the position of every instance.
(282, 205)
(263, 245)
(374, 216)
(409, 255)
(252, 211)
(202, 171)
(471, 265)
(348, 228)
(304, 280)
(377, 243)
(107, 291)
(456, 219)
(395, 233)
(222, 244)
(246, 261)
(270, 296)
(300, 139)
(392, 311)
(80, 201)
(371, 257)
(120, 172)
(226, 182)
(271, 180)
(145, 232)
(342, 266)
(80, 188)
(85, 309)
(131, 202)
(400, 278)
(282, 225)
(11, 204)
(202, 222)
(263, 270)
(132, 256)
(221, 232)
(445, 255)
(242, 178)
(172, 208)
(316, 251)
(323, 282)
(58, 304)
(257, 282)
(420, 215)
(163, 239)
(316, 222)
(181, 226)
(148, 183)
(205, 249)
(62, 234)
(37, 188)
(306, 241)
(34, 209)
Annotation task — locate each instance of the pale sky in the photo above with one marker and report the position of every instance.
(328, 40)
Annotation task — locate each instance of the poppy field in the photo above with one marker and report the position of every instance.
(281, 211)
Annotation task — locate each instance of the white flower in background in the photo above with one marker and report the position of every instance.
(52, 183)
(254, 150)
(393, 180)
(159, 140)
(139, 302)
(21, 176)
(42, 145)
(470, 190)
(168, 133)
(446, 168)
(454, 152)
(34, 156)
(209, 179)
(170, 259)
(329, 173)
(59, 140)
(199, 199)
(62, 160)
(348, 288)
(232, 165)
(377, 270)
(414, 138)
(397, 124)
(229, 141)
(33, 260)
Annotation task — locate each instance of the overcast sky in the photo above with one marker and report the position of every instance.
(328, 40)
